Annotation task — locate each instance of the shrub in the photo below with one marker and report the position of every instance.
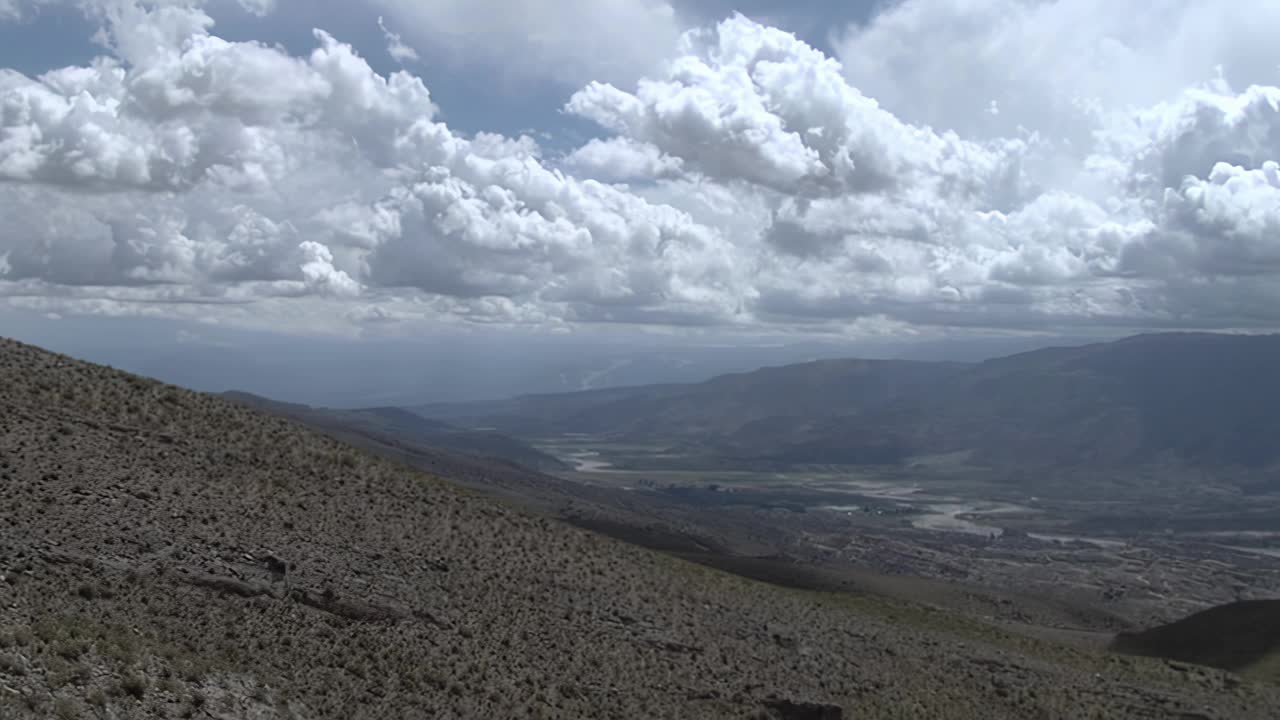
(134, 685)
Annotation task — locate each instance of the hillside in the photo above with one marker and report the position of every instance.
(501, 467)
(168, 553)
(1242, 637)
(399, 425)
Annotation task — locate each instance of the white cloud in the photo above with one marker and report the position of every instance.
(396, 47)
(618, 159)
(266, 175)
(320, 274)
(872, 215)
(1052, 67)
(748, 102)
(770, 185)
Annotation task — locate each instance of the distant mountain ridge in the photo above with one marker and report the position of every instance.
(1197, 399)
(720, 405)
(1185, 398)
(393, 423)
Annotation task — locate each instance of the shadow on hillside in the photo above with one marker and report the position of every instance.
(1232, 637)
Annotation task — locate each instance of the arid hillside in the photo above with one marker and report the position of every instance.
(170, 554)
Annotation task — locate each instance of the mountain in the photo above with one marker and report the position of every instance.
(717, 407)
(167, 553)
(397, 425)
(1190, 399)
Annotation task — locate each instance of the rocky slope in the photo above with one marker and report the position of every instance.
(171, 554)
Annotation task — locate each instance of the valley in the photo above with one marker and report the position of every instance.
(1135, 553)
(1051, 493)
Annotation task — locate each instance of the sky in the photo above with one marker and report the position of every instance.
(668, 171)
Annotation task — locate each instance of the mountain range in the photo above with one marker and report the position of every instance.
(1185, 399)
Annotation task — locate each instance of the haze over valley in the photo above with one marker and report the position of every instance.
(1074, 453)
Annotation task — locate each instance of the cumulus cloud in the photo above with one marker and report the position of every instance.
(753, 103)
(622, 158)
(319, 273)
(231, 167)
(872, 214)
(748, 180)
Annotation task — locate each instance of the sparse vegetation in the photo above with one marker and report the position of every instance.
(96, 698)
(405, 597)
(66, 709)
(133, 684)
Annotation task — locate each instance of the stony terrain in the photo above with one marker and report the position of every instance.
(171, 554)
